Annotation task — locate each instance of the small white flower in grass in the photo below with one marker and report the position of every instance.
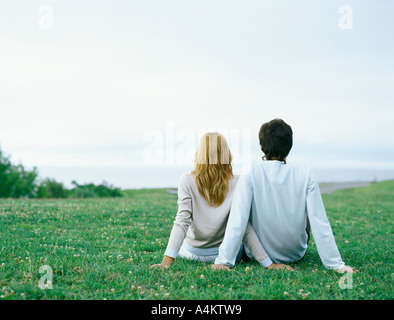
(286, 294)
(303, 295)
(192, 287)
(167, 295)
(247, 269)
(113, 290)
(202, 276)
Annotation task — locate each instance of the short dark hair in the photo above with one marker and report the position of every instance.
(276, 139)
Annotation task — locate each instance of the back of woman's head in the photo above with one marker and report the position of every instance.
(213, 169)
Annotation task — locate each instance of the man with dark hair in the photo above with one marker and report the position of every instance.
(276, 139)
(283, 202)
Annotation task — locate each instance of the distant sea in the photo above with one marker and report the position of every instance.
(168, 177)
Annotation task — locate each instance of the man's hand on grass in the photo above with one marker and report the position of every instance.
(345, 269)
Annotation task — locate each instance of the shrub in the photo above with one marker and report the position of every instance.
(15, 181)
(90, 190)
(50, 188)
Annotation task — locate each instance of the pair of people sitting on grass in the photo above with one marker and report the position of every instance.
(267, 213)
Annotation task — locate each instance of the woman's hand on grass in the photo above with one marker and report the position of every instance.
(280, 266)
(161, 266)
(165, 264)
(218, 266)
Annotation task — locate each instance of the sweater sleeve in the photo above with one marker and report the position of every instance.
(321, 229)
(182, 219)
(254, 245)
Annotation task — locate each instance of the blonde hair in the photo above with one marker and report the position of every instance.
(213, 169)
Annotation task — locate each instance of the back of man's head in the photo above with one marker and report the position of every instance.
(276, 139)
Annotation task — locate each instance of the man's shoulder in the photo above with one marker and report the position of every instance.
(300, 167)
(256, 166)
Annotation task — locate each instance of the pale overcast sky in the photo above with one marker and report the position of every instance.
(86, 91)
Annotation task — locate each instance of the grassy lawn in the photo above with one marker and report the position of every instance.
(103, 248)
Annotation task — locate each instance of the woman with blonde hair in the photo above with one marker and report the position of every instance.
(204, 203)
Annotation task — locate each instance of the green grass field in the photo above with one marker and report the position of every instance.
(103, 249)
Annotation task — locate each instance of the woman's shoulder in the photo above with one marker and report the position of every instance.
(186, 179)
(234, 180)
